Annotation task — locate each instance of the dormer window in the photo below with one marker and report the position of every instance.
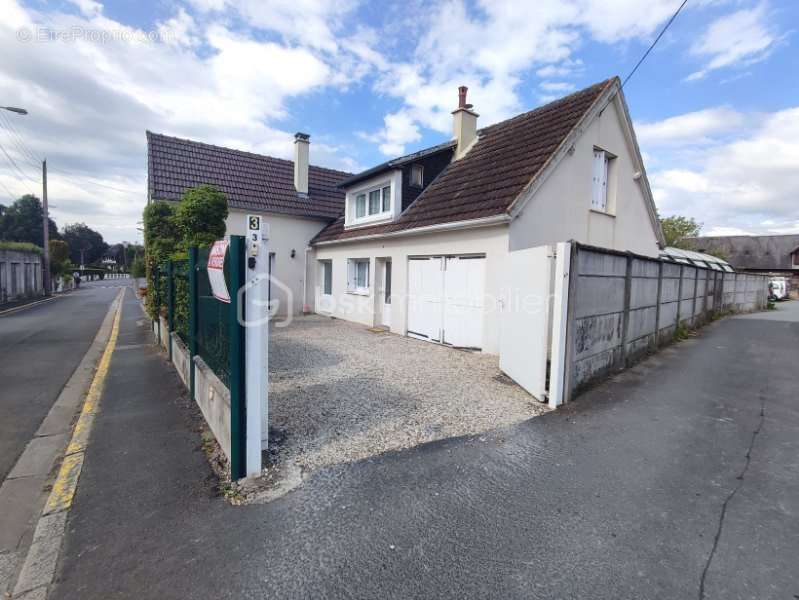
(417, 175)
(374, 201)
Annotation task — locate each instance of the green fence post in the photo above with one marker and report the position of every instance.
(193, 315)
(238, 417)
(157, 302)
(170, 311)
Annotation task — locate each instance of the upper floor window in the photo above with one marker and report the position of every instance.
(417, 175)
(373, 202)
(602, 167)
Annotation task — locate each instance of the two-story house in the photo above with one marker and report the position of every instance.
(417, 244)
(422, 240)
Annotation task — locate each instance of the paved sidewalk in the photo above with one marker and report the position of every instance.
(679, 479)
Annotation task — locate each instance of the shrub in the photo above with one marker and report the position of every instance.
(137, 268)
(200, 217)
(20, 247)
(169, 230)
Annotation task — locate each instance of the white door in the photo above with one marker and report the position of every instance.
(524, 323)
(386, 293)
(445, 300)
(425, 291)
(464, 283)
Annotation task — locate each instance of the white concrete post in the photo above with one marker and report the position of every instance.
(256, 341)
(560, 318)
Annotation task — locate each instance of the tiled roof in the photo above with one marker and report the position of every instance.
(763, 252)
(250, 181)
(485, 182)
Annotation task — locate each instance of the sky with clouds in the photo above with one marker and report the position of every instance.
(716, 105)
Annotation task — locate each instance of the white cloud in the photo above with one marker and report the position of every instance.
(556, 86)
(90, 101)
(492, 48)
(562, 69)
(312, 22)
(746, 183)
(740, 38)
(694, 127)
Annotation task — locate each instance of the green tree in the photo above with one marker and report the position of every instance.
(22, 222)
(59, 260)
(676, 228)
(200, 216)
(137, 268)
(81, 237)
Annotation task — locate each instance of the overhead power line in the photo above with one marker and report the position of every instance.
(18, 141)
(657, 39)
(15, 165)
(79, 179)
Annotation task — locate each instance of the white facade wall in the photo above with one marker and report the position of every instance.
(286, 233)
(560, 210)
(491, 241)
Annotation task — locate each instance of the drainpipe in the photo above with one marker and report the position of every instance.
(305, 308)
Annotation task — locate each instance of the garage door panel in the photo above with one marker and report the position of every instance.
(464, 285)
(425, 298)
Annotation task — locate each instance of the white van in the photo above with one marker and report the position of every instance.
(777, 289)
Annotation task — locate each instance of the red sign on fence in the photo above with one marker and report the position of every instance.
(216, 273)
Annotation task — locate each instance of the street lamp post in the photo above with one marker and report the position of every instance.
(45, 215)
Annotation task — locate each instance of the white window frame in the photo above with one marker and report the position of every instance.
(323, 266)
(386, 211)
(604, 175)
(352, 276)
(416, 169)
(600, 168)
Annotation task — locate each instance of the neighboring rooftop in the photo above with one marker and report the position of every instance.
(250, 181)
(760, 252)
(691, 257)
(485, 182)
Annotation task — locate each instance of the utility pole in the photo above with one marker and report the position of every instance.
(46, 231)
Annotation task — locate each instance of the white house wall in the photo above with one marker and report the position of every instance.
(286, 233)
(490, 241)
(560, 210)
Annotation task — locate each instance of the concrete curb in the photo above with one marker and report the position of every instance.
(23, 493)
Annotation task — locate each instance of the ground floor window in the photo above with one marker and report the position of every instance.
(326, 276)
(358, 275)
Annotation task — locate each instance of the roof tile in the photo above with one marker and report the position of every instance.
(250, 181)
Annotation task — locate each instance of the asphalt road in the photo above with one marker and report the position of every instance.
(678, 479)
(40, 347)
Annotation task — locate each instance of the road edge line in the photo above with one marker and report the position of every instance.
(39, 566)
(14, 309)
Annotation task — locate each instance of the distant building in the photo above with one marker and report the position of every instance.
(770, 254)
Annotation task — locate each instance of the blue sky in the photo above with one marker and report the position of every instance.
(716, 105)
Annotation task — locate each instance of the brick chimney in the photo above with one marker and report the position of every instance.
(464, 124)
(302, 142)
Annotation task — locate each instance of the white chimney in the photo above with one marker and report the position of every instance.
(464, 124)
(301, 143)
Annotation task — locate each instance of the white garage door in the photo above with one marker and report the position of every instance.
(445, 299)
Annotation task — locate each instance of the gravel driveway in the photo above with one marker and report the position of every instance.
(339, 393)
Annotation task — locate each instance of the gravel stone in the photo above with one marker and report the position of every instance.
(339, 393)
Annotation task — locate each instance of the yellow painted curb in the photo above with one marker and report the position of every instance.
(66, 482)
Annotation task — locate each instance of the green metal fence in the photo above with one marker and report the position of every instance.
(209, 327)
(213, 335)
